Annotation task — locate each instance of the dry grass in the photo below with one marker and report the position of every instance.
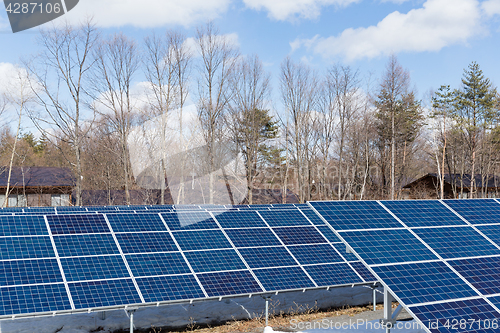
(279, 321)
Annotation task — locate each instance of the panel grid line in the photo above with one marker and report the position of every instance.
(288, 250)
(238, 252)
(59, 263)
(124, 259)
(184, 257)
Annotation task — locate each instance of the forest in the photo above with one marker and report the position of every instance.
(333, 135)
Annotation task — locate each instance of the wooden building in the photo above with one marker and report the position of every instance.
(37, 186)
(456, 186)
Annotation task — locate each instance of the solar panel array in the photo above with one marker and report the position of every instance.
(113, 257)
(440, 259)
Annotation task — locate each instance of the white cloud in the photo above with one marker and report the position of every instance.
(491, 7)
(288, 9)
(147, 13)
(192, 45)
(439, 23)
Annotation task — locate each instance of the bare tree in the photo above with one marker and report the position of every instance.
(59, 78)
(117, 62)
(219, 57)
(298, 91)
(167, 62)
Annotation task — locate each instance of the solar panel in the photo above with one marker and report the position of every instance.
(436, 264)
(79, 261)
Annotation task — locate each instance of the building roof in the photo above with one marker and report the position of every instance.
(37, 177)
(491, 181)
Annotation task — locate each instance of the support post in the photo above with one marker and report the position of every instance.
(388, 320)
(267, 311)
(102, 315)
(374, 291)
(130, 313)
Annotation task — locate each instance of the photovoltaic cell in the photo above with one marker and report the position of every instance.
(152, 264)
(387, 246)
(351, 215)
(135, 222)
(348, 256)
(457, 242)
(276, 279)
(77, 224)
(189, 221)
(267, 257)
(26, 247)
(252, 237)
(33, 299)
(146, 242)
(22, 226)
(229, 283)
(477, 211)
(201, 240)
(85, 245)
(103, 293)
(311, 215)
(239, 219)
(329, 234)
(424, 282)
(361, 269)
(29, 272)
(284, 218)
(423, 213)
(94, 268)
(333, 274)
(315, 254)
(451, 314)
(168, 288)
(299, 235)
(218, 260)
(482, 273)
(491, 231)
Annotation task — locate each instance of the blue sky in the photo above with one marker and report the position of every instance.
(434, 39)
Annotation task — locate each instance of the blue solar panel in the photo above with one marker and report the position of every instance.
(476, 314)
(267, 257)
(348, 256)
(168, 288)
(229, 283)
(152, 264)
(103, 293)
(33, 299)
(477, 211)
(424, 282)
(240, 219)
(201, 240)
(457, 242)
(350, 215)
(329, 234)
(189, 221)
(218, 260)
(315, 254)
(85, 245)
(275, 279)
(252, 237)
(361, 269)
(22, 226)
(299, 235)
(482, 273)
(94, 268)
(491, 231)
(146, 242)
(423, 213)
(284, 218)
(29, 272)
(387, 246)
(26, 247)
(77, 224)
(135, 222)
(313, 217)
(333, 274)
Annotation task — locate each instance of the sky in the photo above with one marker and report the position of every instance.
(434, 39)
